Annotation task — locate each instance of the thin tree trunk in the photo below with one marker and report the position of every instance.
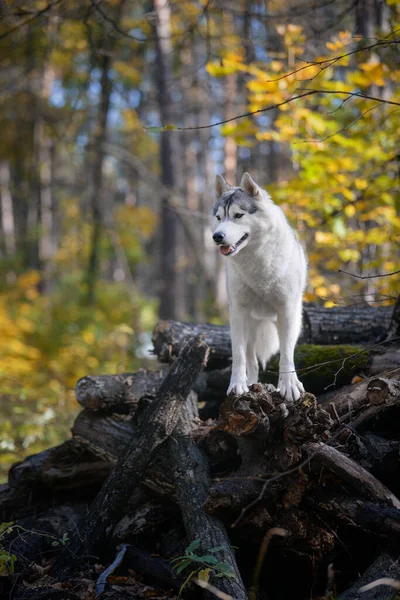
(170, 302)
(96, 180)
(7, 215)
(96, 149)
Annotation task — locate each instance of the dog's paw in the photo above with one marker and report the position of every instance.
(237, 388)
(289, 387)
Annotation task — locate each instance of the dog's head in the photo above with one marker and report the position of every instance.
(234, 212)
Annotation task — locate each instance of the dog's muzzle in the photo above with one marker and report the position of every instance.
(227, 250)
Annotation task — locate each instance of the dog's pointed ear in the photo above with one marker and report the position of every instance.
(250, 186)
(221, 185)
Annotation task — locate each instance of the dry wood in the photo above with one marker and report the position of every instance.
(347, 402)
(191, 477)
(321, 326)
(67, 466)
(159, 422)
(251, 419)
(110, 391)
(349, 471)
(383, 566)
(357, 513)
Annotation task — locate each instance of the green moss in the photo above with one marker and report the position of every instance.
(322, 368)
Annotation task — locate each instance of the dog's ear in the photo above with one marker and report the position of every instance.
(221, 185)
(250, 186)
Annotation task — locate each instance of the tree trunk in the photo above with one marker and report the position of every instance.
(171, 302)
(95, 148)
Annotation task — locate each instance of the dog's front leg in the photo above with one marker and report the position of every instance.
(289, 326)
(239, 335)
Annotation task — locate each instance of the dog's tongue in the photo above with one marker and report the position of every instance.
(225, 249)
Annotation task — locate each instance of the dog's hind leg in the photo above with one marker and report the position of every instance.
(251, 355)
(267, 341)
(289, 327)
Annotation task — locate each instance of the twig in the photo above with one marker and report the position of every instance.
(307, 92)
(263, 550)
(39, 13)
(395, 583)
(102, 580)
(211, 588)
(368, 276)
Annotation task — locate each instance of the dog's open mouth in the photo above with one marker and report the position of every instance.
(227, 250)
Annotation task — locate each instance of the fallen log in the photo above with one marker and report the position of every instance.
(257, 450)
(160, 421)
(321, 326)
(347, 402)
(107, 392)
(368, 516)
(191, 478)
(64, 467)
(99, 439)
(349, 471)
(269, 435)
(384, 566)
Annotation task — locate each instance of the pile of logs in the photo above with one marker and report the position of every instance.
(286, 500)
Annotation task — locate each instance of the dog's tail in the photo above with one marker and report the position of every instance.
(267, 341)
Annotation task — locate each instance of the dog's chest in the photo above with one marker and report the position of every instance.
(254, 287)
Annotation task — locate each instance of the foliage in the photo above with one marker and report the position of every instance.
(50, 341)
(344, 194)
(8, 560)
(202, 566)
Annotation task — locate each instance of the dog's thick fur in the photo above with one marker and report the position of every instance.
(266, 276)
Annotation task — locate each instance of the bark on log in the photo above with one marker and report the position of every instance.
(383, 566)
(67, 466)
(357, 512)
(344, 404)
(252, 419)
(107, 392)
(100, 439)
(159, 423)
(349, 471)
(153, 568)
(191, 477)
(321, 326)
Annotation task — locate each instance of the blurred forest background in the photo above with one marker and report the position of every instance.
(110, 113)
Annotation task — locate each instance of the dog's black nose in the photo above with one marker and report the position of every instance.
(218, 237)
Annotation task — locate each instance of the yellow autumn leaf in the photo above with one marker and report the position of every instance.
(204, 574)
(307, 72)
(350, 210)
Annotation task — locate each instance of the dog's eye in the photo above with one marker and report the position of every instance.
(217, 217)
(239, 215)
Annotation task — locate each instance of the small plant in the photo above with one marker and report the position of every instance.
(7, 560)
(201, 565)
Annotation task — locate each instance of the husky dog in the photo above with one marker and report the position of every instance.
(266, 277)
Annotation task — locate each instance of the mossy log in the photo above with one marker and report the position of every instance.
(321, 326)
(320, 368)
(323, 367)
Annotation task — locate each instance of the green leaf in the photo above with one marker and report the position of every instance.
(218, 549)
(188, 578)
(154, 129)
(183, 566)
(209, 559)
(193, 546)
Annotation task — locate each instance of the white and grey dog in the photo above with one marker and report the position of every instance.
(266, 275)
